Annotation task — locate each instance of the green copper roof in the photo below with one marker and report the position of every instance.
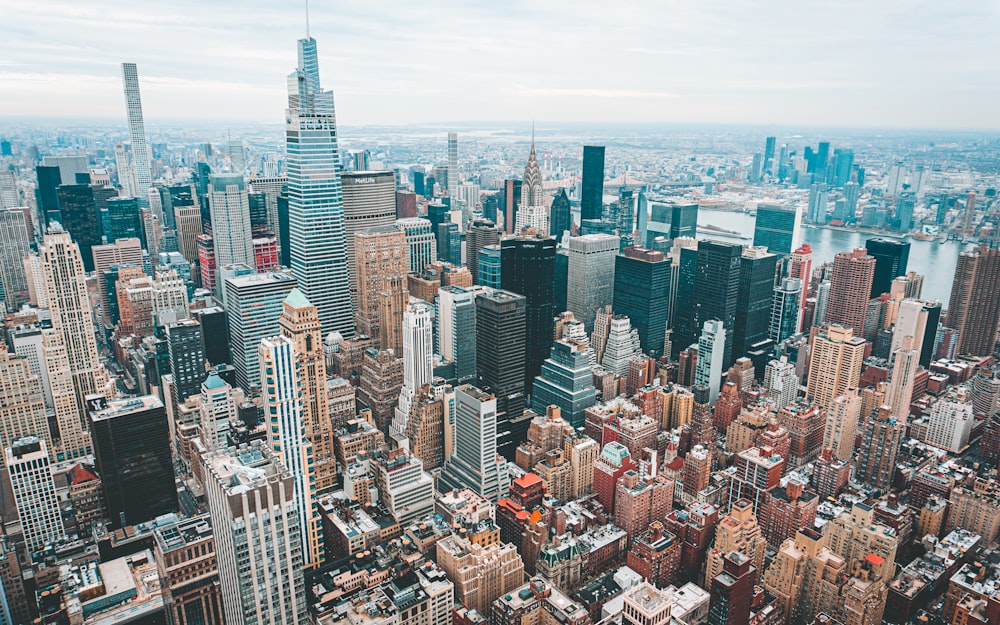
(214, 381)
(296, 299)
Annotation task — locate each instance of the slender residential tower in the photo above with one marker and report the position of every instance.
(315, 200)
(137, 131)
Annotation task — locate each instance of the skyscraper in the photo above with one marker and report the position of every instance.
(421, 248)
(528, 268)
(14, 246)
(315, 202)
(132, 453)
(566, 381)
(560, 216)
(642, 293)
(716, 290)
(453, 177)
(288, 439)
(842, 424)
(500, 362)
(227, 200)
(786, 308)
(186, 347)
(22, 402)
(834, 364)
(481, 233)
(711, 350)
(671, 220)
(974, 308)
(899, 393)
(475, 463)
(776, 227)
(456, 316)
(418, 360)
(532, 213)
(890, 262)
(252, 310)
(817, 203)
(590, 275)
(69, 305)
(880, 438)
(380, 255)
(754, 299)
(34, 491)
(258, 538)
(369, 202)
(141, 156)
(853, 274)
(79, 218)
(592, 193)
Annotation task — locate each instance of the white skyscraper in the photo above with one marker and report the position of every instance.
(315, 201)
(14, 247)
(950, 423)
(780, 382)
(286, 435)
(711, 350)
(532, 213)
(900, 391)
(418, 359)
(141, 157)
(227, 199)
(9, 195)
(475, 463)
(453, 177)
(34, 492)
(126, 178)
(911, 320)
(258, 540)
(622, 346)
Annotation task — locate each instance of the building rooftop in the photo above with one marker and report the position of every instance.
(102, 410)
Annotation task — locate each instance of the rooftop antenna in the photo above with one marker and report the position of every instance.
(307, 20)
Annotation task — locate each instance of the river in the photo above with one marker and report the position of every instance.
(935, 261)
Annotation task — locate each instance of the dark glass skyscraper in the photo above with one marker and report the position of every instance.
(686, 329)
(131, 441)
(79, 219)
(671, 220)
(186, 346)
(891, 257)
(528, 268)
(776, 228)
(124, 220)
(716, 288)
(560, 219)
(754, 299)
(642, 293)
(46, 193)
(592, 192)
(500, 355)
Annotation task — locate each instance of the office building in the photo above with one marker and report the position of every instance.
(841, 428)
(619, 346)
(34, 492)
(590, 275)
(418, 359)
(188, 227)
(532, 213)
(69, 305)
(184, 551)
(732, 590)
(15, 238)
(711, 350)
(818, 200)
(714, 291)
(500, 362)
(528, 266)
(22, 396)
(258, 540)
(124, 220)
(369, 202)
(834, 365)
(141, 156)
(288, 439)
(131, 439)
(671, 220)
(880, 438)
(79, 218)
(318, 251)
(566, 381)
(560, 216)
(642, 293)
(252, 310)
(481, 233)
(451, 182)
(231, 234)
(456, 316)
(186, 348)
(476, 462)
(380, 256)
(754, 299)
(592, 193)
(974, 308)
(891, 256)
(420, 242)
(484, 572)
(786, 310)
(950, 423)
(853, 274)
(777, 227)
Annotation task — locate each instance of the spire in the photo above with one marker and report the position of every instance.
(307, 20)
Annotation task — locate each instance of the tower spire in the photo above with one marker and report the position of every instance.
(307, 20)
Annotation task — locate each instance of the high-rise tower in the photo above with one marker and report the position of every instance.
(137, 131)
(591, 196)
(227, 198)
(974, 308)
(853, 274)
(315, 200)
(532, 212)
(528, 268)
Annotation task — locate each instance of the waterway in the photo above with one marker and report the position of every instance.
(935, 261)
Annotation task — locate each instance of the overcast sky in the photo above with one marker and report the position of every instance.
(882, 63)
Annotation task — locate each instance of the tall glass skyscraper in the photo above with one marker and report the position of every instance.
(315, 201)
(137, 132)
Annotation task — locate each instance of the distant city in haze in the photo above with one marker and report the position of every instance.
(702, 329)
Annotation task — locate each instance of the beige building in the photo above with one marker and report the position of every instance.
(22, 404)
(380, 255)
(481, 573)
(842, 424)
(737, 531)
(834, 363)
(976, 509)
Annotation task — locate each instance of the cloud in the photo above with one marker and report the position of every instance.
(591, 93)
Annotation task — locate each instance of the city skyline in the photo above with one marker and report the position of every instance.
(724, 64)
